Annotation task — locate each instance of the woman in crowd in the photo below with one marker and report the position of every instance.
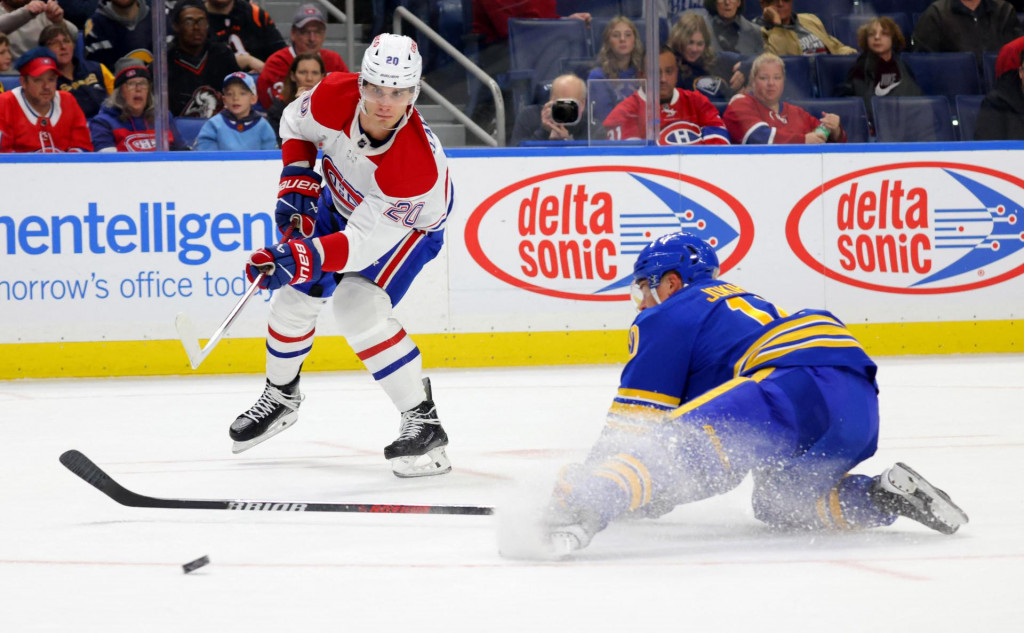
(306, 71)
(788, 33)
(89, 82)
(761, 117)
(620, 57)
(700, 69)
(125, 123)
(1001, 116)
(879, 71)
(731, 32)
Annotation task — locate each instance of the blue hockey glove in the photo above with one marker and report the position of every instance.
(285, 264)
(296, 199)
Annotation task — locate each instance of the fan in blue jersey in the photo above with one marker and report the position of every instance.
(721, 383)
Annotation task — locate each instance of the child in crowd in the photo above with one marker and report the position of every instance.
(237, 127)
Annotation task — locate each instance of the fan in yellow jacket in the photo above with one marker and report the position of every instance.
(788, 33)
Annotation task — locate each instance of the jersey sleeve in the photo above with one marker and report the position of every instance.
(309, 120)
(712, 127)
(744, 123)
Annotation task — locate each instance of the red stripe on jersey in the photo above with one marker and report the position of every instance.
(380, 347)
(399, 256)
(289, 339)
(335, 248)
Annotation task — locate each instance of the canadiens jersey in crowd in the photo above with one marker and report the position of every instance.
(688, 119)
(751, 122)
(271, 79)
(720, 331)
(111, 132)
(62, 129)
(384, 191)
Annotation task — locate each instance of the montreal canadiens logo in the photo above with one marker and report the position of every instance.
(142, 142)
(679, 133)
(575, 233)
(914, 228)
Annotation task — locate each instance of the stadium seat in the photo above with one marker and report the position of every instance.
(536, 50)
(826, 10)
(799, 80)
(189, 128)
(844, 27)
(945, 74)
(988, 67)
(852, 114)
(596, 8)
(891, 6)
(631, 8)
(10, 82)
(967, 107)
(912, 119)
(832, 71)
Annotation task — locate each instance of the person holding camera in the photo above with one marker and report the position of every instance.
(562, 118)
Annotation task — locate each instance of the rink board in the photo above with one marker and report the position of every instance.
(918, 251)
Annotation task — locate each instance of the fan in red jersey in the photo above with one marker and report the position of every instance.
(35, 117)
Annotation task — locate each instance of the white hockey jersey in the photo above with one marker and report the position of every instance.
(384, 192)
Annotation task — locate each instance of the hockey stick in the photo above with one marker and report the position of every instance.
(187, 329)
(84, 467)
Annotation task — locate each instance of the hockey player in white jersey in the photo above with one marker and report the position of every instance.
(377, 219)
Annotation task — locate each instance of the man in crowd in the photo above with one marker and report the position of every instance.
(196, 66)
(27, 35)
(247, 29)
(37, 117)
(117, 28)
(309, 29)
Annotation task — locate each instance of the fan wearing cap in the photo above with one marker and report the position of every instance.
(366, 235)
(246, 29)
(237, 127)
(125, 123)
(309, 28)
(36, 117)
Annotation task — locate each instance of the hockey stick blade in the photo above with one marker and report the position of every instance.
(84, 467)
(189, 339)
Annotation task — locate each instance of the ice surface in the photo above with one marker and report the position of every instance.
(72, 559)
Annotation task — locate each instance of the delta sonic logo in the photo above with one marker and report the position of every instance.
(575, 233)
(915, 228)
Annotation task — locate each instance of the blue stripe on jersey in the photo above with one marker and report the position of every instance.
(395, 366)
(274, 352)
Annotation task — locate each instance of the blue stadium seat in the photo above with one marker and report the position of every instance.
(536, 50)
(189, 128)
(844, 27)
(751, 9)
(832, 71)
(10, 82)
(852, 114)
(596, 8)
(912, 119)
(890, 6)
(988, 68)
(800, 82)
(598, 25)
(826, 10)
(945, 74)
(967, 107)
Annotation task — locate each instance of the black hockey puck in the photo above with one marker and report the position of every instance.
(202, 561)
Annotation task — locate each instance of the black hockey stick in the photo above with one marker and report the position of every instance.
(84, 467)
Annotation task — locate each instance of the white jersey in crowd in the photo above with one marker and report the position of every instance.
(384, 192)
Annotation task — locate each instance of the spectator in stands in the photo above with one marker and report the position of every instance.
(5, 57)
(672, 10)
(537, 122)
(37, 117)
(687, 117)
(309, 28)
(78, 11)
(90, 83)
(879, 71)
(731, 32)
(306, 71)
(238, 126)
(699, 68)
(620, 57)
(973, 26)
(116, 29)
(26, 36)
(788, 33)
(195, 66)
(246, 29)
(125, 123)
(13, 20)
(1001, 116)
(761, 117)
(1006, 61)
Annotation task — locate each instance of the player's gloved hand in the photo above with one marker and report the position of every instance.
(296, 199)
(284, 264)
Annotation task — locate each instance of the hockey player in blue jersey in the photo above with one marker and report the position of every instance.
(721, 383)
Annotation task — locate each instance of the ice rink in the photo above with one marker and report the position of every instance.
(73, 559)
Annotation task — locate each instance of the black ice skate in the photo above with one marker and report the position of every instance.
(419, 449)
(276, 410)
(902, 491)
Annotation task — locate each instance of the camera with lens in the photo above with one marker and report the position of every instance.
(565, 111)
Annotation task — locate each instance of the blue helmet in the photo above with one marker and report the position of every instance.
(690, 257)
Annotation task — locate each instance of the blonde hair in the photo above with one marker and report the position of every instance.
(605, 56)
(688, 24)
(766, 58)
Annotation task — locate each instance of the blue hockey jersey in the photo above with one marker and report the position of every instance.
(713, 331)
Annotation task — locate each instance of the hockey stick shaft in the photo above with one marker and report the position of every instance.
(186, 330)
(84, 467)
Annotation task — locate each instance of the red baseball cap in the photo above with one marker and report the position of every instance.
(37, 61)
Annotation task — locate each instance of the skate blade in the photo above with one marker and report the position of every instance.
(929, 498)
(433, 462)
(277, 427)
